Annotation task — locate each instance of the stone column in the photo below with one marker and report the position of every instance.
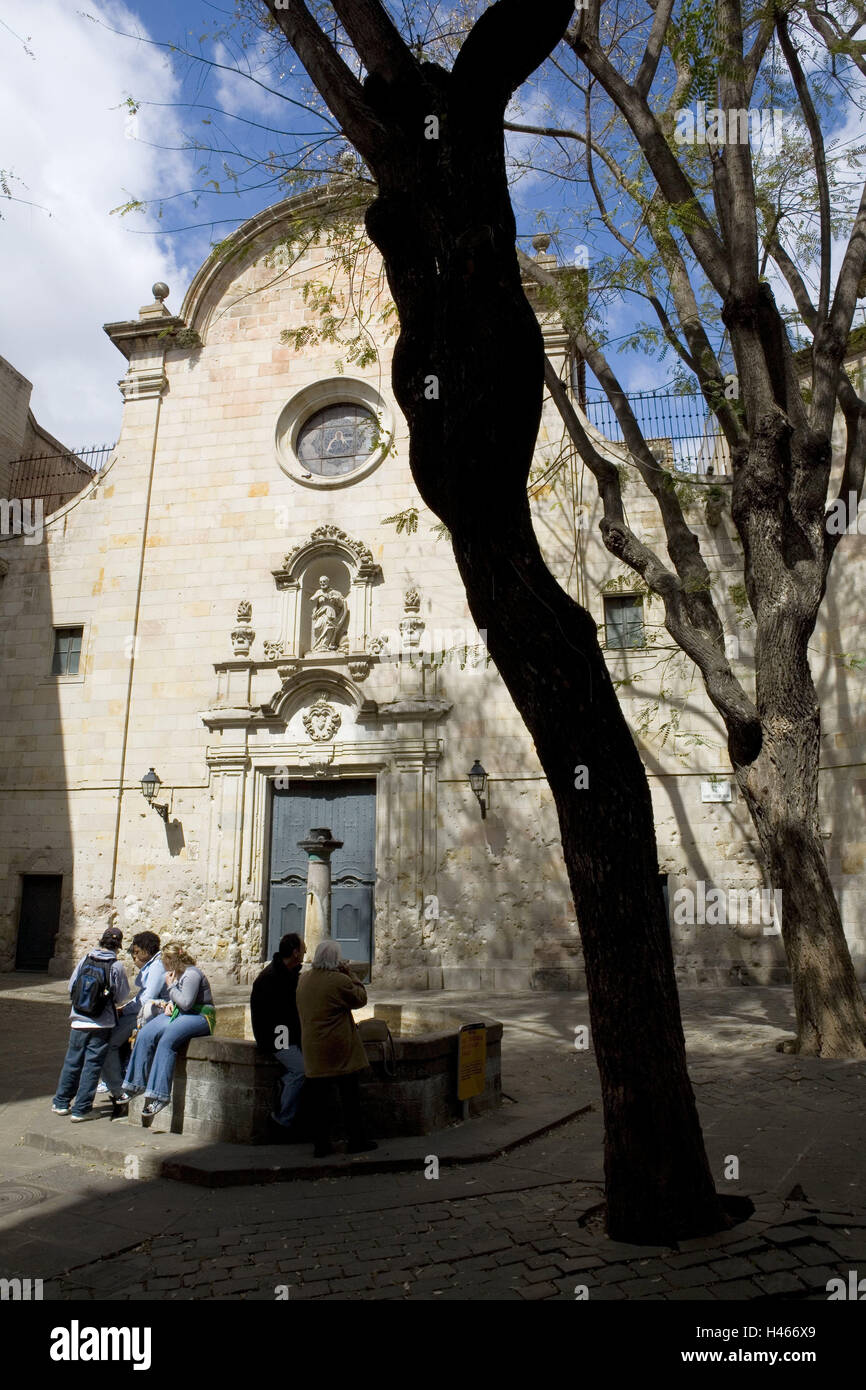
(319, 846)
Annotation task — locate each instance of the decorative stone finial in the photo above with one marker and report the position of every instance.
(541, 243)
(243, 635)
(412, 600)
(160, 291)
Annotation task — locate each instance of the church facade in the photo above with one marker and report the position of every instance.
(247, 626)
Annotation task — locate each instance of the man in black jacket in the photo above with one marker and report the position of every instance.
(277, 1028)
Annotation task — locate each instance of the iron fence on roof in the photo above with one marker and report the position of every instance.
(680, 430)
(56, 478)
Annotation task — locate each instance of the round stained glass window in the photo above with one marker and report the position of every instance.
(337, 439)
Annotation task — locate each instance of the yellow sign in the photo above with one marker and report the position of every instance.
(471, 1060)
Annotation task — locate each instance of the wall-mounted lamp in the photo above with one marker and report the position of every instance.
(150, 785)
(478, 783)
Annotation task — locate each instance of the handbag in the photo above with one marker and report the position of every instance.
(376, 1030)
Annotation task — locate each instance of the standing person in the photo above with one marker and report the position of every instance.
(333, 1051)
(277, 1027)
(150, 987)
(188, 1013)
(97, 985)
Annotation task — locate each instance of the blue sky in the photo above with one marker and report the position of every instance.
(76, 154)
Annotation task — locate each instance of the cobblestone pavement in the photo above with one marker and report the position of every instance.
(505, 1229)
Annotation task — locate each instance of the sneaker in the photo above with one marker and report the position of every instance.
(102, 1087)
(154, 1106)
(363, 1147)
(60, 1109)
(77, 1119)
(119, 1107)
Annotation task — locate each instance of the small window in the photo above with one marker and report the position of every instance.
(67, 651)
(623, 621)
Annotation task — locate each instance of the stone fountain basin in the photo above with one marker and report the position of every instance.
(223, 1089)
(421, 1096)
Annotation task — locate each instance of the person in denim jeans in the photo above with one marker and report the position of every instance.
(89, 1036)
(277, 1029)
(150, 986)
(188, 1013)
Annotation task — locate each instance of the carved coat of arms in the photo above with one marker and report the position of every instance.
(321, 720)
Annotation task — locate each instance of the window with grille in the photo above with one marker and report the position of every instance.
(623, 621)
(67, 651)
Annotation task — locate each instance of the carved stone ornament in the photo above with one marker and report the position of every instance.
(412, 601)
(321, 720)
(274, 650)
(243, 635)
(361, 553)
(359, 670)
(379, 645)
(287, 670)
(411, 629)
(319, 761)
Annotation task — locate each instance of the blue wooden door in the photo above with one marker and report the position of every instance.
(349, 809)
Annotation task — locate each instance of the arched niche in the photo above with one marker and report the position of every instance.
(320, 574)
(349, 566)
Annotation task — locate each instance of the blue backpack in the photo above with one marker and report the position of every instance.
(92, 989)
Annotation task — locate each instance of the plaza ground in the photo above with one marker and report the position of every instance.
(517, 1225)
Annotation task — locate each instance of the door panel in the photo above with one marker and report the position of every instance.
(39, 920)
(349, 809)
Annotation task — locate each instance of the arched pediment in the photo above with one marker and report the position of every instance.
(253, 239)
(300, 689)
(327, 540)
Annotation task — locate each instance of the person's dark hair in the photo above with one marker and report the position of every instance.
(290, 943)
(147, 941)
(111, 939)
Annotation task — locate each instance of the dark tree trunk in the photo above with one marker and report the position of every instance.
(468, 374)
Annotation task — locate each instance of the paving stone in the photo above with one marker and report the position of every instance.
(734, 1268)
(786, 1235)
(694, 1277)
(641, 1288)
(776, 1259)
(314, 1289)
(736, 1289)
(813, 1254)
(816, 1276)
(613, 1274)
(534, 1292)
(782, 1281)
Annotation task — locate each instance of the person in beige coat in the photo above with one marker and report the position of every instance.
(332, 1047)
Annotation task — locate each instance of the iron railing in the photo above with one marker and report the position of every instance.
(57, 478)
(680, 430)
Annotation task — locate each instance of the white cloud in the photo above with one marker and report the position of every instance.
(68, 273)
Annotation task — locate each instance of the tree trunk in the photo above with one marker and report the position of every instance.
(659, 1187)
(780, 789)
(468, 372)
(778, 508)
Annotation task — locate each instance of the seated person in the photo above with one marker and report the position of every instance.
(277, 1028)
(150, 986)
(188, 1013)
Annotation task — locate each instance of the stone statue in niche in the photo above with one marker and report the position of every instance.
(329, 612)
